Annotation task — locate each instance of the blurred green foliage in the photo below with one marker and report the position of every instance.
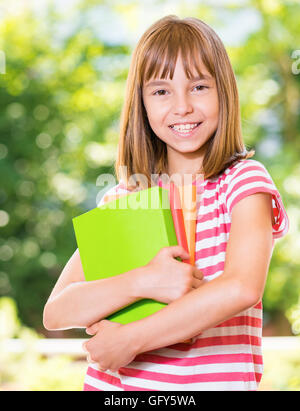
(281, 371)
(28, 370)
(60, 101)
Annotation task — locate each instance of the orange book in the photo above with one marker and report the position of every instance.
(178, 218)
(176, 205)
(188, 195)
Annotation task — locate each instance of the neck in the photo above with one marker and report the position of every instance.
(184, 168)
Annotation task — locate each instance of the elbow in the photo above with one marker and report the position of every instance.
(49, 320)
(248, 296)
(53, 320)
(253, 298)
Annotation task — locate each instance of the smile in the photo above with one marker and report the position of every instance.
(184, 129)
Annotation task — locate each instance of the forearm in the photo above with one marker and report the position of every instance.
(198, 310)
(81, 304)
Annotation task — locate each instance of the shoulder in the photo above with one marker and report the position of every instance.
(246, 172)
(239, 170)
(248, 177)
(237, 174)
(246, 166)
(114, 192)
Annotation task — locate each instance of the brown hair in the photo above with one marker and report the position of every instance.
(139, 149)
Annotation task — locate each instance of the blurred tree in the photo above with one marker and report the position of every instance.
(60, 101)
(270, 102)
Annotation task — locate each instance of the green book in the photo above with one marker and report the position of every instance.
(122, 235)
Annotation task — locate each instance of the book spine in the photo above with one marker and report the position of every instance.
(189, 209)
(177, 214)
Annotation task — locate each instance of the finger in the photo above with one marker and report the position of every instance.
(198, 273)
(196, 283)
(178, 251)
(92, 329)
(102, 369)
(89, 360)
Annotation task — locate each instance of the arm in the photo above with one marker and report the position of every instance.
(240, 286)
(76, 303)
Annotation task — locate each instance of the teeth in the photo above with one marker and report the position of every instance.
(184, 127)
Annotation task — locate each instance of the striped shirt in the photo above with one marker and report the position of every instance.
(225, 357)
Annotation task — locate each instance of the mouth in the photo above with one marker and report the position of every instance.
(184, 129)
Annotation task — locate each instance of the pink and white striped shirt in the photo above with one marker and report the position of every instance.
(228, 356)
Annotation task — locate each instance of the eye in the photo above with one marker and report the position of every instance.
(201, 87)
(159, 93)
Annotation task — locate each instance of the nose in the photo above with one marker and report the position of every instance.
(182, 105)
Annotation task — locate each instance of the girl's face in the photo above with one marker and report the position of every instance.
(183, 112)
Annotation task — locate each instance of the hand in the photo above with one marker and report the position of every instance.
(112, 346)
(165, 279)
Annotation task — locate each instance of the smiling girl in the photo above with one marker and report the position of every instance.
(181, 116)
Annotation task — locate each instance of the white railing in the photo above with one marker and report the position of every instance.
(47, 346)
(73, 346)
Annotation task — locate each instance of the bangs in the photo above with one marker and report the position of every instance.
(163, 48)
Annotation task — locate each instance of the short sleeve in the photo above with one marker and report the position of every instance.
(252, 177)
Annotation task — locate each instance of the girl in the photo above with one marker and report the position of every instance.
(181, 116)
